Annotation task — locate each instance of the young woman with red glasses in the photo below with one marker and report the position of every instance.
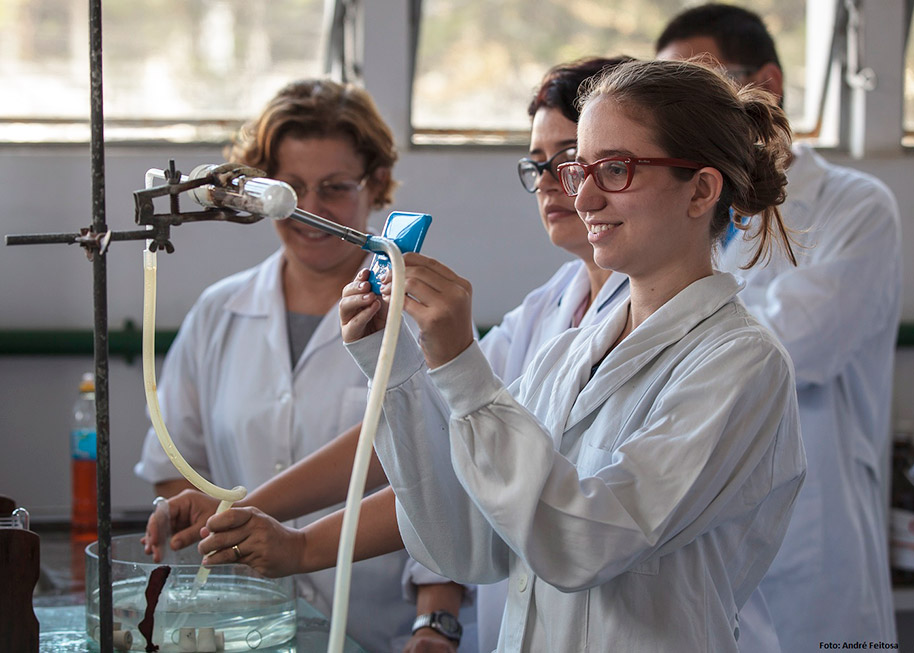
(635, 483)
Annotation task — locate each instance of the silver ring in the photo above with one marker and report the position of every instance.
(237, 552)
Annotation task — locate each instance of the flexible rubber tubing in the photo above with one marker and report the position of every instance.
(342, 582)
(152, 400)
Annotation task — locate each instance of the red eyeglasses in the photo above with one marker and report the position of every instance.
(612, 174)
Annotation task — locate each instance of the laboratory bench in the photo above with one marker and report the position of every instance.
(59, 599)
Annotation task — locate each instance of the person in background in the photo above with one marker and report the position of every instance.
(579, 294)
(258, 378)
(837, 314)
(636, 481)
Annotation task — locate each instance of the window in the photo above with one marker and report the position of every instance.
(181, 71)
(909, 81)
(478, 63)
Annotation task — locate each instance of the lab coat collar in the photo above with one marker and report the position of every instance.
(805, 178)
(579, 288)
(614, 286)
(665, 327)
(261, 297)
(261, 292)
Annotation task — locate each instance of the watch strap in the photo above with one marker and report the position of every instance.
(437, 621)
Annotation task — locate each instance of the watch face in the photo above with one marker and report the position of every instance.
(449, 623)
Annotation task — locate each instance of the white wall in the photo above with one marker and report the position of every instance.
(484, 226)
(480, 216)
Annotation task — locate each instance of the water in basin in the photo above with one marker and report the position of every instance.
(251, 612)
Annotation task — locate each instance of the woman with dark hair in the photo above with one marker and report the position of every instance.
(636, 481)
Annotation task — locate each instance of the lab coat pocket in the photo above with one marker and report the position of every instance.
(591, 459)
(352, 407)
(650, 567)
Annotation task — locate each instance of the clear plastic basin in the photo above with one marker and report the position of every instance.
(251, 612)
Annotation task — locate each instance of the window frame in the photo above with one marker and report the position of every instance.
(207, 131)
(844, 101)
(841, 105)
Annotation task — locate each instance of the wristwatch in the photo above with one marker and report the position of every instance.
(442, 622)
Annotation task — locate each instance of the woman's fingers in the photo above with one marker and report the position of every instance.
(225, 529)
(428, 280)
(430, 271)
(151, 539)
(358, 315)
(361, 311)
(185, 537)
(355, 309)
(251, 537)
(223, 556)
(230, 519)
(440, 301)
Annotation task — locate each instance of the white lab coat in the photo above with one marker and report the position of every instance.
(635, 511)
(239, 413)
(509, 347)
(544, 313)
(837, 315)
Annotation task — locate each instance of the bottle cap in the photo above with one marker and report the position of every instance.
(87, 384)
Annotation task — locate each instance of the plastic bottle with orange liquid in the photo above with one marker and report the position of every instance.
(84, 516)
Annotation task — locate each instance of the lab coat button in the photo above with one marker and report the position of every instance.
(285, 397)
(522, 582)
(279, 467)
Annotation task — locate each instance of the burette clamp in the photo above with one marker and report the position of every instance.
(170, 183)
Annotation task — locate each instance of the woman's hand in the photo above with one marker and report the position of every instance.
(427, 640)
(262, 542)
(441, 303)
(361, 311)
(187, 513)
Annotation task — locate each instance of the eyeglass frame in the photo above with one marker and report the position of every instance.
(543, 167)
(358, 186)
(631, 162)
(738, 73)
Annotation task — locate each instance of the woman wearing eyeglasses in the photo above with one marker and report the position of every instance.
(580, 292)
(635, 483)
(258, 378)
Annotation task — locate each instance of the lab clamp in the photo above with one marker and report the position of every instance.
(158, 224)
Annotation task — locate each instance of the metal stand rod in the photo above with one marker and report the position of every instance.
(100, 292)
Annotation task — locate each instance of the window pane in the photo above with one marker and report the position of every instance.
(478, 62)
(909, 87)
(193, 60)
